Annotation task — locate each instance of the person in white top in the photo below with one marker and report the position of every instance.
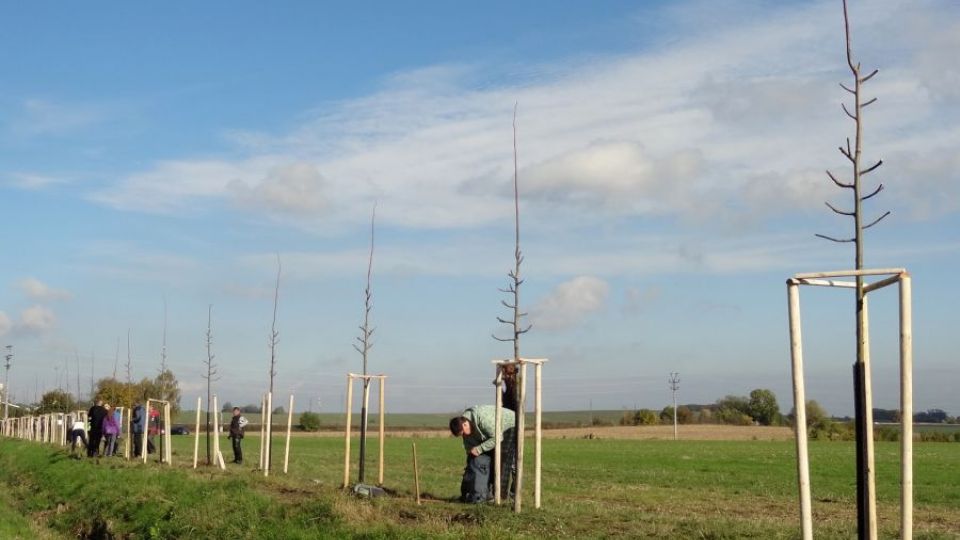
(77, 431)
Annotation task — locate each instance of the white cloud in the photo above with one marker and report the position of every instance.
(36, 319)
(297, 188)
(33, 181)
(38, 290)
(570, 303)
(43, 117)
(713, 136)
(5, 323)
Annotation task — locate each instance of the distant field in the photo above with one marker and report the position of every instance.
(593, 487)
(403, 421)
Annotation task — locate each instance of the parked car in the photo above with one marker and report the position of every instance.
(180, 430)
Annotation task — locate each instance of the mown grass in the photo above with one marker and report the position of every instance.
(592, 489)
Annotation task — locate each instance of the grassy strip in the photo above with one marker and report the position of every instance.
(106, 500)
(593, 489)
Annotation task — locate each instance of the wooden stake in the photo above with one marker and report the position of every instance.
(146, 431)
(382, 381)
(868, 416)
(168, 447)
(906, 408)
(537, 434)
(346, 436)
(800, 406)
(416, 474)
(196, 436)
(498, 436)
(263, 427)
(521, 409)
(286, 450)
(269, 411)
(217, 454)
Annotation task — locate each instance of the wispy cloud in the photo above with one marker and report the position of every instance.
(44, 117)
(713, 125)
(34, 181)
(36, 320)
(40, 291)
(5, 323)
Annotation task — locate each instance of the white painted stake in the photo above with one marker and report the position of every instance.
(286, 450)
(521, 413)
(168, 446)
(146, 431)
(498, 437)
(906, 408)
(346, 436)
(196, 436)
(538, 371)
(269, 411)
(263, 427)
(800, 406)
(381, 382)
(868, 420)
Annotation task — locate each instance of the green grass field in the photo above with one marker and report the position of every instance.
(593, 488)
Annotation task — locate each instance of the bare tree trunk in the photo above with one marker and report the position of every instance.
(211, 376)
(274, 335)
(365, 344)
(866, 519)
(514, 381)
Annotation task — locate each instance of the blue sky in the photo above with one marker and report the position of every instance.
(671, 169)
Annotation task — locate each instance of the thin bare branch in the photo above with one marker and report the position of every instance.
(274, 334)
(878, 190)
(846, 153)
(864, 105)
(832, 239)
(872, 168)
(837, 182)
(870, 76)
(851, 115)
(847, 89)
(838, 211)
(878, 220)
(501, 339)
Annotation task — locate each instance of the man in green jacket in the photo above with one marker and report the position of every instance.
(477, 426)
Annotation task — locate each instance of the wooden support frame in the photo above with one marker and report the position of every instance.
(217, 454)
(381, 382)
(521, 366)
(893, 275)
(166, 453)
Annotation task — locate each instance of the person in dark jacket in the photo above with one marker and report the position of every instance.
(237, 424)
(137, 423)
(95, 415)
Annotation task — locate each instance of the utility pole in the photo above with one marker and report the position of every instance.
(6, 384)
(674, 381)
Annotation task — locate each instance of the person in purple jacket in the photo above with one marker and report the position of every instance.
(110, 431)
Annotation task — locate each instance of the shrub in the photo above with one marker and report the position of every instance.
(310, 421)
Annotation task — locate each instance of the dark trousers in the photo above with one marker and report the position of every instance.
(137, 444)
(77, 434)
(237, 451)
(478, 480)
(94, 447)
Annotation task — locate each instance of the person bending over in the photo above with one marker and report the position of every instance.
(77, 432)
(477, 427)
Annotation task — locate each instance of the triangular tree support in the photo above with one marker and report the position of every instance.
(827, 279)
